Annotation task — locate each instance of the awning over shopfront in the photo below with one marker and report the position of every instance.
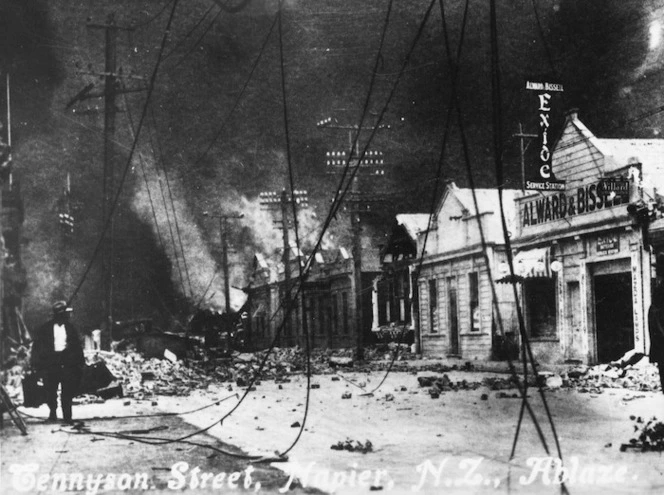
(533, 263)
(530, 263)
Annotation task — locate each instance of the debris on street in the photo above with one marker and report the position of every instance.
(353, 446)
(649, 436)
(642, 377)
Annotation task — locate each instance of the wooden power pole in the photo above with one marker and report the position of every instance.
(282, 202)
(371, 165)
(112, 78)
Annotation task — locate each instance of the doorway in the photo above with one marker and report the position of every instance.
(614, 318)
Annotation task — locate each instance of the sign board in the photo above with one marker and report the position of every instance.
(614, 185)
(568, 204)
(608, 244)
(539, 176)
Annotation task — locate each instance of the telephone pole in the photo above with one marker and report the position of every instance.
(370, 164)
(282, 201)
(223, 234)
(112, 77)
(522, 143)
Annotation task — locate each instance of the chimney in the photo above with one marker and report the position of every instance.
(572, 114)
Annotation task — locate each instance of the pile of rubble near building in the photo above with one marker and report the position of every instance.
(132, 375)
(643, 377)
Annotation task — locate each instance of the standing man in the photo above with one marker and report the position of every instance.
(656, 327)
(57, 356)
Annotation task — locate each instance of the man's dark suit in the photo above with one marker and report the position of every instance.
(56, 368)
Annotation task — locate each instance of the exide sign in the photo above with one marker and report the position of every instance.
(539, 176)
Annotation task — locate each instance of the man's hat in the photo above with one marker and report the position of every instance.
(60, 307)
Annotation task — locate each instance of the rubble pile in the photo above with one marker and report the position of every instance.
(444, 384)
(499, 383)
(594, 379)
(142, 377)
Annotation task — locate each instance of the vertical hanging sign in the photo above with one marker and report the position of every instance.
(539, 176)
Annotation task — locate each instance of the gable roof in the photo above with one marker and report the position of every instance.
(487, 200)
(414, 223)
(623, 152)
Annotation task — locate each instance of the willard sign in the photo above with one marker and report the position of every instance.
(539, 176)
(564, 205)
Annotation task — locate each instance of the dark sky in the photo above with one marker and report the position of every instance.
(607, 53)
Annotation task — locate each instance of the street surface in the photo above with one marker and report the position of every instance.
(459, 442)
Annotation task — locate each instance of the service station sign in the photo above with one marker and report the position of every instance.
(539, 175)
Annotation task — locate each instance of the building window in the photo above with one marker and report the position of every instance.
(540, 298)
(433, 304)
(474, 301)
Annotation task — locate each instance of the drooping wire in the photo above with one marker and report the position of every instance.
(233, 9)
(228, 116)
(293, 202)
(151, 415)
(189, 33)
(170, 198)
(196, 43)
(454, 65)
(497, 132)
(239, 97)
(116, 199)
(154, 17)
(160, 160)
(161, 441)
(144, 173)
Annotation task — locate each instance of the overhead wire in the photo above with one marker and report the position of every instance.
(154, 17)
(196, 43)
(116, 199)
(232, 9)
(158, 157)
(144, 174)
(454, 71)
(161, 441)
(498, 144)
(230, 113)
(293, 202)
(189, 33)
(172, 203)
(236, 103)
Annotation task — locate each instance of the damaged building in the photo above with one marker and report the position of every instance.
(394, 298)
(583, 266)
(326, 307)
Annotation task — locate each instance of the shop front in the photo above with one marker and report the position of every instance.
(586, 274)
(462, 312)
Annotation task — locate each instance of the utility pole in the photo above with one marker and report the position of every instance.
(112, 78)
(5, 170)
(223, 234)
(522, 138)
(282, 201)
(369, 165)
